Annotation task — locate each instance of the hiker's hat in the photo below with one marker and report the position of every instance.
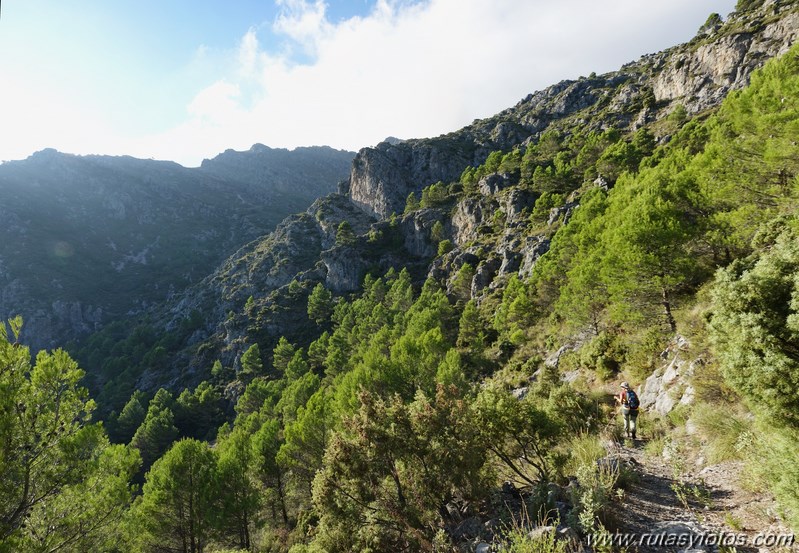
(625, 385)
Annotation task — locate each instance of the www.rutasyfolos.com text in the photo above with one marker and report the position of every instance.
(691, 540)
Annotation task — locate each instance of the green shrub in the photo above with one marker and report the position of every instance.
(775, 462)
(445, 246)
(604, 355)
(643, 355)
(592, 499)
(519, 540)
(584, 451)
(725, 429)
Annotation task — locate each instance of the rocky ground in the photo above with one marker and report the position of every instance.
(673, 494)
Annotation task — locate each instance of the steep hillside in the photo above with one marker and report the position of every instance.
(90, 239)
(694, 77)
(258, 294)
(505, 185)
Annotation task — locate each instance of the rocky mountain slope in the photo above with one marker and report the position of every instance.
(695, 76)
(88, 239)
(260, 293)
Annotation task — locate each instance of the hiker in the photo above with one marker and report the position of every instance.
(629, 408)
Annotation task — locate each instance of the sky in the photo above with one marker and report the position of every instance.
(184, 80)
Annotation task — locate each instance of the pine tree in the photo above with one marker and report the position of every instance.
(411, 203)
(649, 244)
(462, 283)
(130, 418)
(177, 507)
(239, 498)
(155, 434)
(344, 234)
(389, 471)
(282, 355)
(251, 363)
(471, 329)
(320, 304)
(265, 447)
(50, 452)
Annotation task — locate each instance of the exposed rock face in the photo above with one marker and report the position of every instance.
(534, 248)
(516, 201)
(563, 212)
(702, 77)
(494, 183)
(380, 175)
(469, 214)
(416, 229)
(697, 75)
(668, 386)
(485, 274)
(345, 269)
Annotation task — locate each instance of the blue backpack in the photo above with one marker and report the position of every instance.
(632, 400)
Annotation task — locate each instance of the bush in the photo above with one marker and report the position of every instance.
(726, 431)
(593, 497)
(584, 451)
(521, 540)
(445, 246)
(604, 355)
(643, 354)
(776, 463)
(755, 328)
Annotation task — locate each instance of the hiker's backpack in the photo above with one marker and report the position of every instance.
(632, 400)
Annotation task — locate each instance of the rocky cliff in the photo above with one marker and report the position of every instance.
(696, 76)
(260, 293)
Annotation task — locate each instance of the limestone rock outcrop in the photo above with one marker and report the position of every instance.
(696, 75)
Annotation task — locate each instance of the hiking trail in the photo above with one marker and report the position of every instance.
(672, 493)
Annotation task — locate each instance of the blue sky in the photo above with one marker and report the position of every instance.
(184, 80)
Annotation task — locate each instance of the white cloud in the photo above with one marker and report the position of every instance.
(409, 69)
(248, 53)
(304, 22)
(216, 105)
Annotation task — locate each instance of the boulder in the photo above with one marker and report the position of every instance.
(669, 385)
(486, 271)
(540, 532)
(470, 528)
(494, 183)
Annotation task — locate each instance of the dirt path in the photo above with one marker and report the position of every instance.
(670, 497)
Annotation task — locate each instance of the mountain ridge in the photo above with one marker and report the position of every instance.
(89, 230)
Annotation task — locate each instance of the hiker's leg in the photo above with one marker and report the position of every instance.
(626, 415)
(633, 420)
